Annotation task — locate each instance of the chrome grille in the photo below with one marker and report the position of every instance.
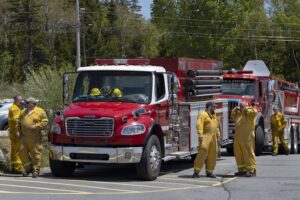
(102, 127)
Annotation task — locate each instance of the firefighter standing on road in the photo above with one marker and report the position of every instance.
(278, 123)
(13, 116)
(31, 122)
(208, 133)
(244, 139)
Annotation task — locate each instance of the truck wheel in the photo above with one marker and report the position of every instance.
(259, 140)
(61, 169)
(290, 138)
(294, 149)
(149, 166)
(193, 157)
(5, 128)
(229, 150)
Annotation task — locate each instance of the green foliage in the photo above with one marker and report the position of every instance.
(45, 84)
(39, 33)
(232, 31)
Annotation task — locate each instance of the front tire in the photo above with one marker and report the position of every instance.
(149, 166)
(61, 169)
(295, 139)
(229, 150)
(259, 140)
(5, 127)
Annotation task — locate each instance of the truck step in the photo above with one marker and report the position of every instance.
(168, 158)
(180, 154)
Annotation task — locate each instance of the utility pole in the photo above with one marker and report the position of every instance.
(82, 12)
(77, 35)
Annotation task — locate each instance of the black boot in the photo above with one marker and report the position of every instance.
(250, 174)
(35, 175)
(239, 173)
(196, 175)
(211, 175)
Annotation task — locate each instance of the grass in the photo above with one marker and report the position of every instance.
(5, 147)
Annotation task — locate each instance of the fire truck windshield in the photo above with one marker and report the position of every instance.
(113, 86)
(241, 87)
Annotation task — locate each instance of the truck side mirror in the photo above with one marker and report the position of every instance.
(66, 88)
(69, 80)
(174, 86)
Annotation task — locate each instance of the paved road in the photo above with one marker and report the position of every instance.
(278, 178)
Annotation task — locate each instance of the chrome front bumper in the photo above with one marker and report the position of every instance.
(113, 155)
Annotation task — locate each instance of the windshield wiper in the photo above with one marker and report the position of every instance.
(80, 98)
(124, 100)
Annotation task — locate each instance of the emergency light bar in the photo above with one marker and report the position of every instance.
(237, 72)
(123, 61)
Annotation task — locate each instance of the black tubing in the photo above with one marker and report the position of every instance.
(204, 91)
(195, 73)
(205, 82)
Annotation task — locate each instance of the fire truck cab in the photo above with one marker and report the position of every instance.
(132, 111)
(255, 85)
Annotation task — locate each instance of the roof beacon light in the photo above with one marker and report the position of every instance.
(138, 61)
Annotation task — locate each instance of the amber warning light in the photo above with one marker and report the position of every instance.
(122, 61)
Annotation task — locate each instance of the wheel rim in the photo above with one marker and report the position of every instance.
(154, 158)
(295, 143)
(290, 138)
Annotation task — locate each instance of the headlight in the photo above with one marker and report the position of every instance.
(55, 129)
(133, 130)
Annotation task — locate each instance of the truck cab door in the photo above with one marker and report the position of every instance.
(162, 100)
(263, 97)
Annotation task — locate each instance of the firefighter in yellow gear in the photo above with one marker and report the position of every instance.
(13, 116)
(244, 139)
(278, 123)
(208, 134)
(32, 121)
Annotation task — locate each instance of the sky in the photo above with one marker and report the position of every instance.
(145, 11)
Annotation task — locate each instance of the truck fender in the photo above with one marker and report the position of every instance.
(156, 129)
(260, 120)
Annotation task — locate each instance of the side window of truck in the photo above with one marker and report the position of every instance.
(85, 85)
(159, 86)
(260, 89)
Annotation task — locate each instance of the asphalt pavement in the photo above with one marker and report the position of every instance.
(277, 178)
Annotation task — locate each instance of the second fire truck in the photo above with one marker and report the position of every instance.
(255, 85)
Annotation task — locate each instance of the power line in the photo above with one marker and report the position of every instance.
(251, 38)
(217, 21)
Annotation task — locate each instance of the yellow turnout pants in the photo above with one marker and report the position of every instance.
(244, 146)
(207, 154)
(279, 135)
(31, 151)
(16, 164)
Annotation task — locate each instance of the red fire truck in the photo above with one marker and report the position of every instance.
(255, 85)
(153, 120)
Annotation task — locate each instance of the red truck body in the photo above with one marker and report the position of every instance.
(154, 119)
